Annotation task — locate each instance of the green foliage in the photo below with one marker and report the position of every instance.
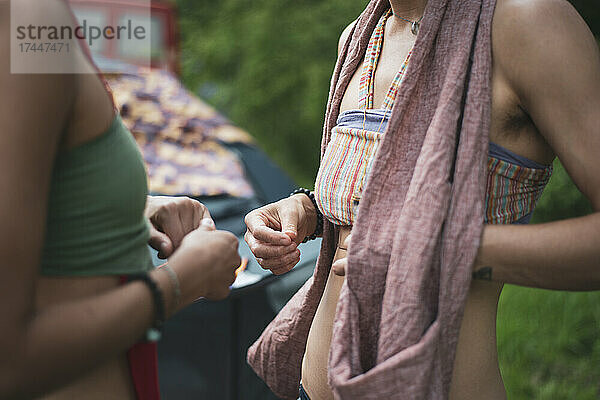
(548, 341)
(548, 344)
(267, 66)
(561, 199)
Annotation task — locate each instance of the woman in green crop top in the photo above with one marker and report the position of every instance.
(74, 223)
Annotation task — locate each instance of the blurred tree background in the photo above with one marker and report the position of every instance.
(267, 66)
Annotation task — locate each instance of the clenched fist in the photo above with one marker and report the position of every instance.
(275, 231)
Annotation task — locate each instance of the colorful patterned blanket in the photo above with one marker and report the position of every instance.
(181, 138)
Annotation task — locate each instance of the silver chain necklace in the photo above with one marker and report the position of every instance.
(414, 25)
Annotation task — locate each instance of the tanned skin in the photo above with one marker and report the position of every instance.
(545, 102)
(68, 336)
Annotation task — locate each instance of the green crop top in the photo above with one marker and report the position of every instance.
(95, 223)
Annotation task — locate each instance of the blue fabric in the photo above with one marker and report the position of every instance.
(372, 121)
(524, 220)
(303, 395)
(504, 154)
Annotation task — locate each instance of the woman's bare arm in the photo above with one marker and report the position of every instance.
(552, 62)
(43, 349)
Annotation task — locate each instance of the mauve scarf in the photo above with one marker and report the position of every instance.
(419, 224)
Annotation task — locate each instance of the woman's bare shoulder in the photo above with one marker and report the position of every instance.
(534, 36)
(345, 34)
(527, 27)
(551, 61)
(33, 102)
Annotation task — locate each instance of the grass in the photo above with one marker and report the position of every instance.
(549, 341)
(549, 344)
(245, 61)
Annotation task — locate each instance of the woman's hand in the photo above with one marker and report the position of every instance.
(171, 219)
(339, 267)
(275, 231)
(205, 263)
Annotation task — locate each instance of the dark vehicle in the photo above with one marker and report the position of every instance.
(190, 149)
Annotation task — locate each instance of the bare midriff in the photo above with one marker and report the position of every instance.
(476, 373)
(110, 380)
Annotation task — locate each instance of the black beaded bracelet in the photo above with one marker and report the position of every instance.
(319, 229)
(154, 333)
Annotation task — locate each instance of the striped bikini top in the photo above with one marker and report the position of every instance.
(514, 183)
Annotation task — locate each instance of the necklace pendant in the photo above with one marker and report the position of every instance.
(414, 27)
